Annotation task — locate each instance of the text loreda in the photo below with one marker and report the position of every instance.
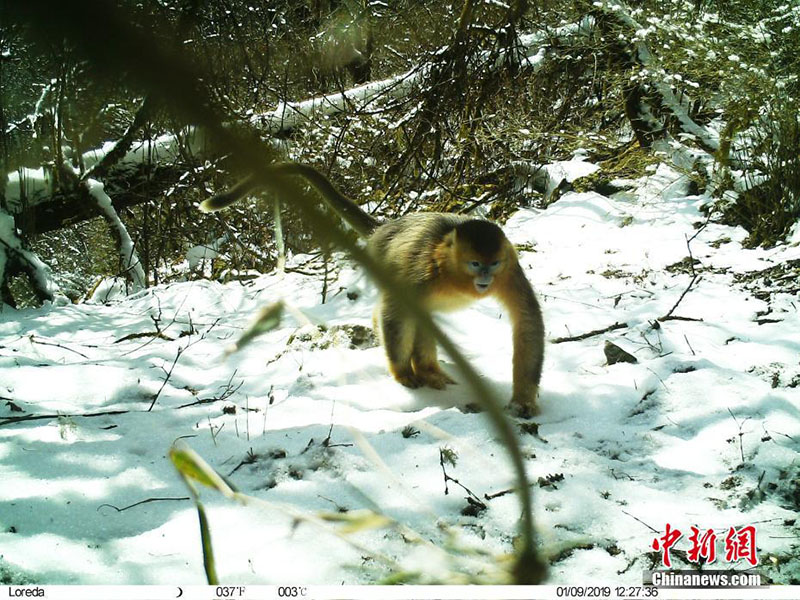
(25, 592)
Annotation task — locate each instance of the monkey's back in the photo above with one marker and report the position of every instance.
(407, 245)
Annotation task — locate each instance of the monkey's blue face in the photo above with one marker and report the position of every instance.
(483, 273)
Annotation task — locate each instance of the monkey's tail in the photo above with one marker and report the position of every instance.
(352, 213)
(244, 187)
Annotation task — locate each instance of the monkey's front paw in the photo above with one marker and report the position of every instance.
(523, 411)
(434, 378)
(525, 406)
(408, 379)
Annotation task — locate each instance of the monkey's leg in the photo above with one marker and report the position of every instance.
(425, 361)
(397, 332)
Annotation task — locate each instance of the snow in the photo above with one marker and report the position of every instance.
(35, 185)
(287, 115)
(678, 106)
(550, 176)
(164, 147)
(198, 257)
(703, 430)
(129, 258)
(10, 243)
(28, 184)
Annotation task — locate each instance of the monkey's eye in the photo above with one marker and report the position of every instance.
(475, 264)
(495, 263)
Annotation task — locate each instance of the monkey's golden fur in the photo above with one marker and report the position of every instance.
(449, 261)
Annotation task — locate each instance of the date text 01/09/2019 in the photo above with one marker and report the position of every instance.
(606, 591)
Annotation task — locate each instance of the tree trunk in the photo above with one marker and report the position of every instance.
(66, 208)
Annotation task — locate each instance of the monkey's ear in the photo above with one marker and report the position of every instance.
(450, 239)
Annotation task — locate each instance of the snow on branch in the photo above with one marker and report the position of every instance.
(678, 107)
(289, 115)
(13, 253)
(131, 265)
(123, 145)
(26, 187)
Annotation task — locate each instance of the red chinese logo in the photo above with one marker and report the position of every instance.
(739, 544)
(665, 542)
(703, 546)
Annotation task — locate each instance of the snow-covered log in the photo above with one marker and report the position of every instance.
(34, 207)
(15, 257)
(290, 115)
(122, 147)
(43, 212)
(129, 259)
(38, 208)
(26, 188)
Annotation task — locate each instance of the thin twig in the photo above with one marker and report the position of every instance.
(677, 318)
(175, 362)
(10, 420)
(146, 334)
(653, 529)
(688, 344)
(143, 502)
(228, 390)
(695, 275)
(34, 340)
(327, 441)
(741, 433)
(250, 458)
(498, 494)
(166, 379)
(588, 334)
(270, 400)
(447, 479)
(214, 433)
(668, 316)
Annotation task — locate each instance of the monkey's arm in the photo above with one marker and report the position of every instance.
(528, 337)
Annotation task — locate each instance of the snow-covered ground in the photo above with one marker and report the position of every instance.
(702, 431)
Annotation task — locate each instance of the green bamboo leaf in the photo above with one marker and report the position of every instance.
(193, 468)
(268, 319)
(356, 520)
(208, 551)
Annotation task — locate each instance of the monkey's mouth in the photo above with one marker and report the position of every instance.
(481, 287)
